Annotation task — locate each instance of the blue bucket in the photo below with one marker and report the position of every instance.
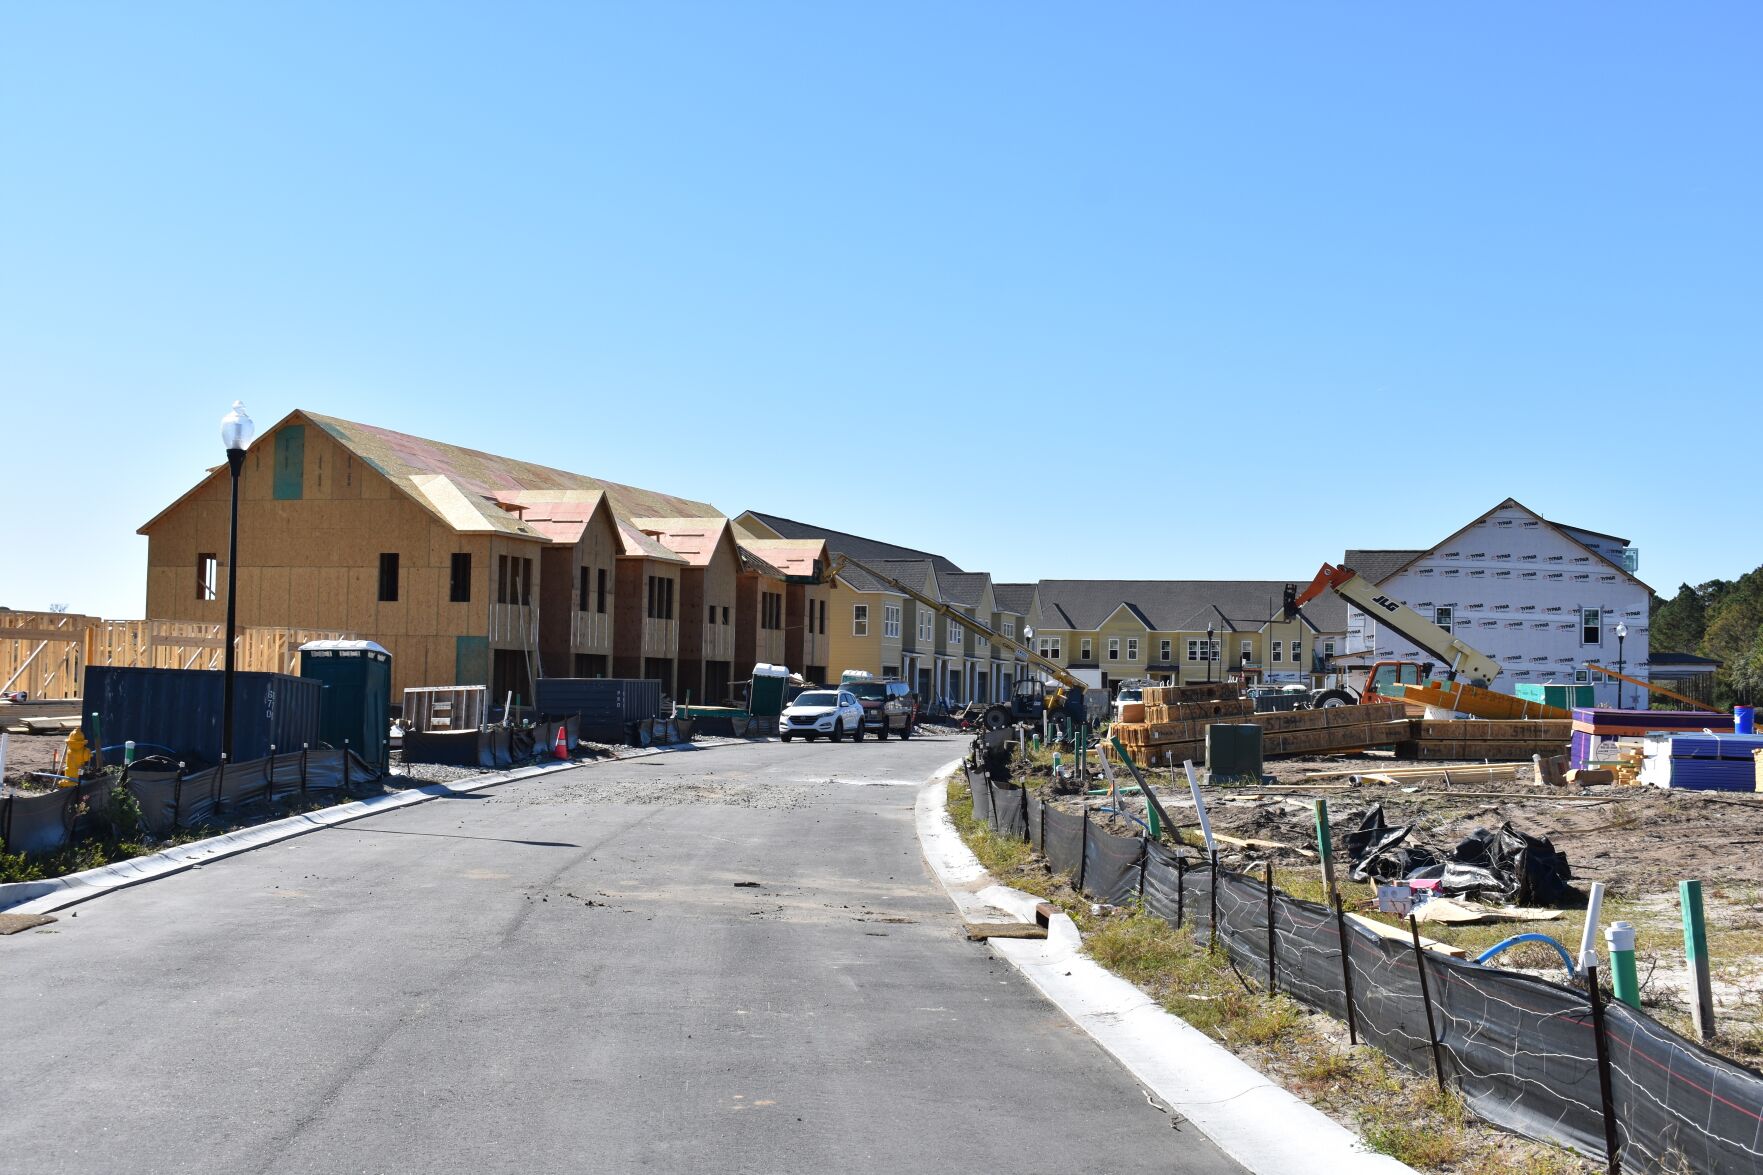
(1744, 720)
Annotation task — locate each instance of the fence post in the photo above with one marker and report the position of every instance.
(303, 747)
(1271, 960)
(1695, 946)
(1181, 887)
(1432, 1031)
(1083, 851)
(1024, 794)
(1340, 925)
(1043, 828)
(219, 789)
(1144, 862)
(1213, 942)
(347, 781)
(177, 796)
(269, 777)
(1611, 1144)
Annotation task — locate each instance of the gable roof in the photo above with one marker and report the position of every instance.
(634, 544)
(856, 546)
(693, 539)
(966, 588)
(1378, 566)
(559, 515)
(1175, 605)
(1556, 527)
(801, 559)
(462, 487)
(1015, 598)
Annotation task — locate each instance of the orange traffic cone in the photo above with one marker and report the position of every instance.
(561, 749)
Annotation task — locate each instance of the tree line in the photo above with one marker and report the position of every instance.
(1722, 619)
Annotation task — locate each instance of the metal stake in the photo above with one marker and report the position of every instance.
(1432, 1031)
(1611, 1143)
(1271, 960)
(1340, 923)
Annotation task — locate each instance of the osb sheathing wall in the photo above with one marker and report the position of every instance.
(314, 562)
(636, 635)
(566, 629)
(707, 594)
(755, 644)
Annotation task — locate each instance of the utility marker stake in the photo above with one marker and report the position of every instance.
(1588, 956)
(1432, 1032)
(1619, 937)
(1325, 846)
(1695, 946)
(1200, 806)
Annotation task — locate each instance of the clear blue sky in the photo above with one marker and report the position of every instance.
(1207, 290)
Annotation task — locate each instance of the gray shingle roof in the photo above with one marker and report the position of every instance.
(1014, 597)
(1378, 565)
(963, 587)
(1176, 604)
(856, 546)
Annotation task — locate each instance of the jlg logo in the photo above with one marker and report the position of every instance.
(1384, 602)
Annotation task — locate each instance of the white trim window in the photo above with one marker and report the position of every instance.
(891, 620)
(927, 626)
(859, 619)
(1297, 650)
(1198, 651)
(1246, 652)
(1279, 649)
(1114, 648)
(1050, 647)
(955, 633)
(1591, 626)
(1328, 648)
(1086, 651)
(1132, 648)
(1010, 629)
(1442, 617)
(1164, 649)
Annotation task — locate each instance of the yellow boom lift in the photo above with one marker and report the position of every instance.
(1060, 701)
(1468, 672)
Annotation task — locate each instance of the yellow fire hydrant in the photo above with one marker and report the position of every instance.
(78, 755)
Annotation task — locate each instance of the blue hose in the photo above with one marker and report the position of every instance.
(1530, 936)
(1127, 815)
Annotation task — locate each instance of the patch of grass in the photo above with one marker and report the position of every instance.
(1399, 1113)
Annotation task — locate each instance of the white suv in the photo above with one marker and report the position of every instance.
(834, 713)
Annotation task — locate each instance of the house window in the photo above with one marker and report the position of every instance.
(207, 572)
(1442, 618)
(1084, 650)
(459, 578)
(1278, 650)
(1591, 626)
(891, 620)
(1163, 651)
(1328, 648)
(1051, 647)
(822, 615)
(1132, 648)
(1582, 677)
(600, 590)
(711, 618)
(926, 626)
(1010, 629)
(859, 619)
(1246, 652)
(389, 577)
(1297, 651)
(956, 632)
(660, 602)
(513, 580)
(1114, 648)
(584, 589)
(1193, 650)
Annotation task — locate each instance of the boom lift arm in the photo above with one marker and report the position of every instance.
(1466, 663)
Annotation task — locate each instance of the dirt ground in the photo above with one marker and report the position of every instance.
(26, 753)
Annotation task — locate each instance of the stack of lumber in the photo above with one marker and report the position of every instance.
(1483, 703)
(1181, 731)
(1199, 691)
(1628, 765)
(1434, 739)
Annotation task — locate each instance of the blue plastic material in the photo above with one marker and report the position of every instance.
(1744, 720)
(1530, 936)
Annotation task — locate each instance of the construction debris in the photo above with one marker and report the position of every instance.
(1505, 863)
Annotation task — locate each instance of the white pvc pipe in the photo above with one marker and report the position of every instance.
(1199, 804)
(1588, 941)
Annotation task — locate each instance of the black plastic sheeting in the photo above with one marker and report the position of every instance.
(52, 820)
(491, 747)
(1521, 1050)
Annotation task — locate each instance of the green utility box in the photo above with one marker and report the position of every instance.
(1562, 696)
(356, 707)
(1233, 750)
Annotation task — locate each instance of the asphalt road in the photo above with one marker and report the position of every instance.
(566, 974)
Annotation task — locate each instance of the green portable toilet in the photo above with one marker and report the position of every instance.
(766, 697)
(357, 702)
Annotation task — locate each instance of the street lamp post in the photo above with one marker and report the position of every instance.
(1621, 635)
(236, 431)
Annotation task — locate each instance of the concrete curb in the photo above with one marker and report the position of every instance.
(43, 897)
(1264, 1127)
